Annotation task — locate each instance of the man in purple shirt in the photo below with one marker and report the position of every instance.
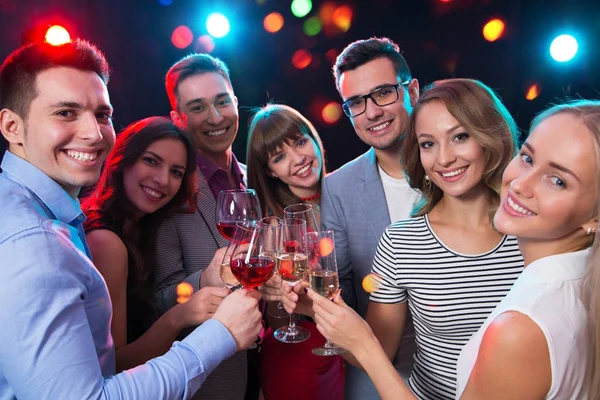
(189, 246)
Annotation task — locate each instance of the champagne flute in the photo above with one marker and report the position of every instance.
(292, 265)
(235, 206)
(323, 277)
(303, 211)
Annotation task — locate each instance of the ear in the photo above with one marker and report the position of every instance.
(176, 118)
(590, 227)
(235, 100)
(413, 91)
(12, 127)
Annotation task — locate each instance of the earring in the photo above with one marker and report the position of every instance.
(427, 182)
(590, 230)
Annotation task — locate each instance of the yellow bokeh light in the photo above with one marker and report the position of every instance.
(493, 30)
(342, 18)
(371, 282)
(533, 92)
(332, 112)
(273, 22)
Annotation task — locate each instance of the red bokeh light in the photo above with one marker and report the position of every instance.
(182, 37)
(301, 59)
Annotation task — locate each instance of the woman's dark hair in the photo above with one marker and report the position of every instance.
(109, 204)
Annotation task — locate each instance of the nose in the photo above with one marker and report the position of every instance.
(215, 117)
(523, 185)
(161, 177)
(446, 156)
(373, 111)
(297, 157)
(90, 130)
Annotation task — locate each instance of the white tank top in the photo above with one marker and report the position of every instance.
(548, 292)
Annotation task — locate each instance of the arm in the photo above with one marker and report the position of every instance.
(342, 325)
(54, 341)
(331, 220)
(513, 349)
(111, 260)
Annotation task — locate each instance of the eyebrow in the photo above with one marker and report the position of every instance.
(203, 100)
(161, 159)
(77, 106)
(553, 164)
(372, 90)
(451, 130)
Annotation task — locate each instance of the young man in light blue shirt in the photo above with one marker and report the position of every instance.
(55, 340)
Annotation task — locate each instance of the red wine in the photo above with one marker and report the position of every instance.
(254, 273)
(226, 229)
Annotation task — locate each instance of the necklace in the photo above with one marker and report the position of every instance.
(310, 198)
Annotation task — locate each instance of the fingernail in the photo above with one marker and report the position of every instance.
(305, 290)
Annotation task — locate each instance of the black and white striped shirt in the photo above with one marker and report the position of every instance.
(449, 295)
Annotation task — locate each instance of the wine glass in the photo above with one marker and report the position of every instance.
(323, 277)
(292, 266)
(235, 206)
(303, 211)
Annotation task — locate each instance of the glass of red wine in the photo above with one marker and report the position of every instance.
(292, 267)
(235, 206)
(303, 211)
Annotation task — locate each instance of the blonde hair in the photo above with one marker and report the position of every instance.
(270, 128)
(588, 111)
(477, 108)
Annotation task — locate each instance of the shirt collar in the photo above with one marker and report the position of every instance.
(208, 168)
(65, 208)
(558, 267)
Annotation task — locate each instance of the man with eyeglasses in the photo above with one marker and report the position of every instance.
(363, 197)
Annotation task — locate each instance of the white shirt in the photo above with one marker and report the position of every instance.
(548, 292)
(400, 197)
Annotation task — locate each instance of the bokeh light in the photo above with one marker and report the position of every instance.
(301, 59)
(182, 37)
(312, 26)
(563, 48)
(57, 35)
(326, 246)
(331, 114)
(204, 44)
(493, 30)
(371, 282)
(165, 2)
(217, 25)
(342, 18)
(331, 55)
(273, 22)
(301, 8)
(326, 12)
(533, 92)
(184, 291)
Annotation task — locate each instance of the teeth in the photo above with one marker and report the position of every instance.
(216, 133)
(303, 170)
(81, 156)
(518, 208)
(454, 173)
(151, 192)
(380, 126)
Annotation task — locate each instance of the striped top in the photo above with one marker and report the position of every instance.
(449, 295)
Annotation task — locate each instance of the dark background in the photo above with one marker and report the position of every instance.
(439, 39)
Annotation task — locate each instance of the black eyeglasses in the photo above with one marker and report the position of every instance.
(382, 96)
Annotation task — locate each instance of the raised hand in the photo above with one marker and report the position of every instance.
(202, 305)
(240, 314)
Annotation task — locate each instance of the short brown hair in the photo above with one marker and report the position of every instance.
(361, 52)
(479, 110)
(271, 126)
(190, 65)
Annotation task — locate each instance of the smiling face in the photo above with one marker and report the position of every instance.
(207, 109)
(68, 131)
(298, 165)
(549, 191)
(451, 158)
(156, 176)
(379, 126)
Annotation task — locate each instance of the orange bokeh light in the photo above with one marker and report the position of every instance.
(371, 282)
(533, 92)
(301, 59)
(184, 291)
(332, 112)
(57, 35)
(342, 18)
(493, 30)
(182, 37)
(326, 246)
(273, 22)
(326, 12)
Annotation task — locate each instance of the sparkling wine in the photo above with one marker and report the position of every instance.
(253, 273)
(292, 267)
(226, 229)
(325, 283)
(227, 276)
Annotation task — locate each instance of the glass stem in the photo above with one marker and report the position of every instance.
(292, 324)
